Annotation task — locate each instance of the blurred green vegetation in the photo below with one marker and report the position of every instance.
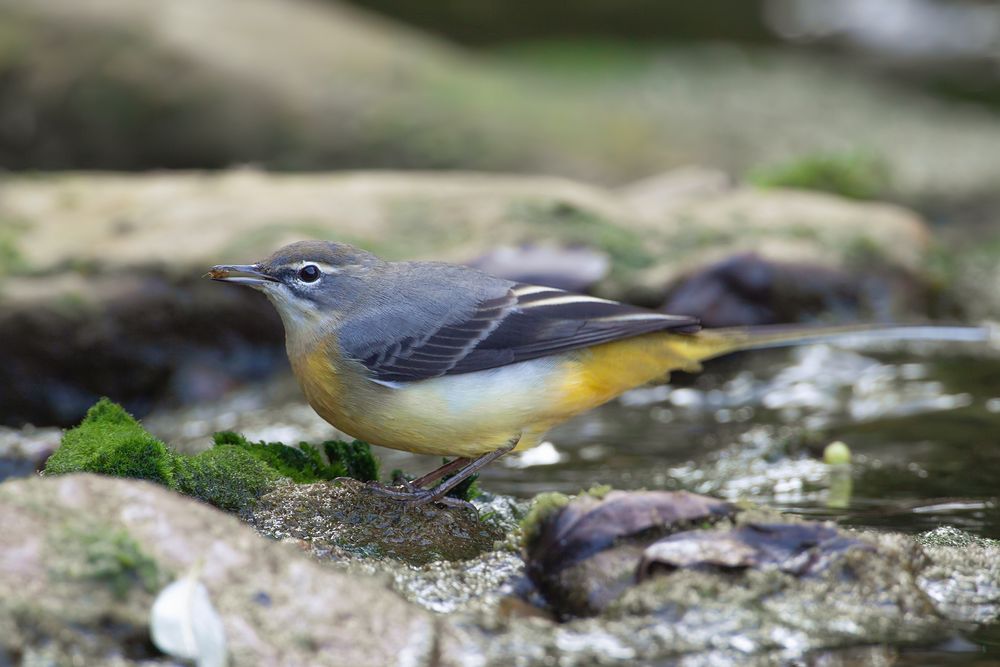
(499, 21)
(856, 175)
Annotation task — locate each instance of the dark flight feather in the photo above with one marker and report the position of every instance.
(523, 322)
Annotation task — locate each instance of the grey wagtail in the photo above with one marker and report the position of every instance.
(446, 360)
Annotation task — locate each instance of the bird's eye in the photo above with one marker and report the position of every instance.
(309, 273)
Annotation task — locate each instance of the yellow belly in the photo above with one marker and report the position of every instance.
(474, 413)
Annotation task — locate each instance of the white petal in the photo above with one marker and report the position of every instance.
(185, 625)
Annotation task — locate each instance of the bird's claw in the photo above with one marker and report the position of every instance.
(412, 496)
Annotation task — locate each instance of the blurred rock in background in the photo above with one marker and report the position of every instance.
(290, 85)
(293, 84)
(104, 292)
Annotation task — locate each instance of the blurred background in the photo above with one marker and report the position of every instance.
(748, 162)
(745, 161)
(141, 142)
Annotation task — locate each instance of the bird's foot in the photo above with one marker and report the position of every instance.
(413, 496)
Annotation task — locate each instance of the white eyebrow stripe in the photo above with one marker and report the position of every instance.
(525, 290)
(565, 300)
(325, 268)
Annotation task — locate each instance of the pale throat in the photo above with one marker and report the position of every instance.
(305, 325)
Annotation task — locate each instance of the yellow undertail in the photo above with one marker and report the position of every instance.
(598, 374)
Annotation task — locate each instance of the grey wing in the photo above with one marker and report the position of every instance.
(521, 322)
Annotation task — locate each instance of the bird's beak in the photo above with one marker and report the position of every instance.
(243, 274)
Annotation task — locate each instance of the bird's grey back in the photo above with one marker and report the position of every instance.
(407, 302)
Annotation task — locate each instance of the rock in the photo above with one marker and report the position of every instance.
(964, 577)
(966, 279)
(798, 549)
(870, 590)
(120, 309)
(595, 555)
(571, 269)
(815, 229)
(752, 588)
(124, 222)
(186, 85)
(746, 289)
(137, 336)
(82, 557)
(582, 554)
(24, 451)
(656, 197)
(334, 518)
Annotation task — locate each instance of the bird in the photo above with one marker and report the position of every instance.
(443, 359)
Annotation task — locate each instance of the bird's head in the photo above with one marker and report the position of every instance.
(310, 283)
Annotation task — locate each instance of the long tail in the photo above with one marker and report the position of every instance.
(711, 343)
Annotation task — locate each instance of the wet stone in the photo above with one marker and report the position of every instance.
(346, 519)
(868, 594)
(24, 451)
(800, 549)
(747, 289)
(964, 576)
(584, 554)
(712, 583)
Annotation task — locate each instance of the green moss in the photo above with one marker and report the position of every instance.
(864, 252)
(857, 175)
(232, 475)
(355, 457)
(543, 506)
(110, 441)
(111, 557)
(599, 491)
(226, 476)
(302, 464)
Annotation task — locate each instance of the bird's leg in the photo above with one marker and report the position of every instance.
(418, 496)
(433, 476)
(438, 473)
(471, 468)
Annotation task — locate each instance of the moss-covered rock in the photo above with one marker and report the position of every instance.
(110, 441)
(232, 475)
(68, 318)
(348, 520)
(226, 476)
